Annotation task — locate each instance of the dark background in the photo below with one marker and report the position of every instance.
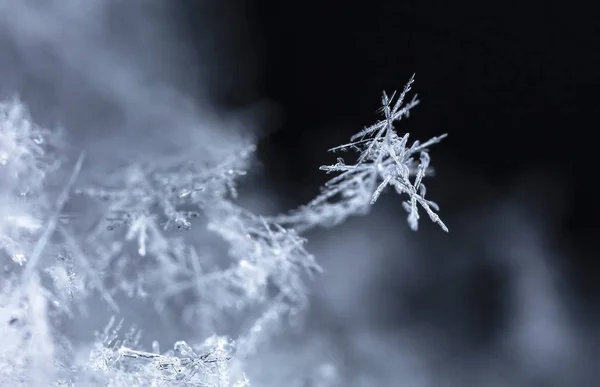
(513, 83)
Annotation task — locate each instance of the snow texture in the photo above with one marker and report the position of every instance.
(135, 248)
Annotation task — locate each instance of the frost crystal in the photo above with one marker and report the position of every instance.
(385, 160)
(118, 363)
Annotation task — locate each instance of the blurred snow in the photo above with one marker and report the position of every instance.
(400, 312)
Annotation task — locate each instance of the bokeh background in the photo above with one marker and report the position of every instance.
(508, 298)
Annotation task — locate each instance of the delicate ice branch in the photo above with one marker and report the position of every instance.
(385, 159)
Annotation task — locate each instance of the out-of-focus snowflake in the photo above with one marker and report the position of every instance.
(68, 285)
(143, 203)
(265, 253)
(27, 157)
(268, 266)
(165, 194)
(27, 352)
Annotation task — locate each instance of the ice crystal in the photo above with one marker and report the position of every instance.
(385, 159)
(119, 363)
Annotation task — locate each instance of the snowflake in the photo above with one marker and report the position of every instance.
(385, 160)
(117, 361)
